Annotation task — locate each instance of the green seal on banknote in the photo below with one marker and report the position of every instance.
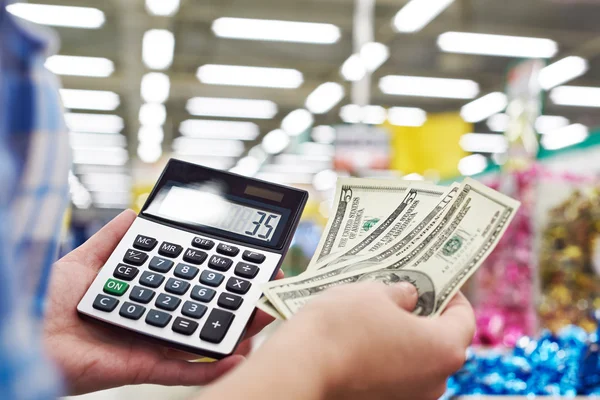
(370, 223)
(452, 245)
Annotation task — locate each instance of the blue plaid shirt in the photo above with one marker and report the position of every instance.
(34, 165)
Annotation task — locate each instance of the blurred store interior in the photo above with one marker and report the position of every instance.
(301, 92)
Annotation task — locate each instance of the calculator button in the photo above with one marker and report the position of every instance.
(184, 326)
(253, 257)
(167, 302)
(185, 271)
(160, 264)
(144, 243)
(158, 318)
(169, 249)
(203, 244)
(131, 311)
(194, 256)
(193, 310)
(227, 250)
(239, 286)
(141, 295)
(220, 263)
(216, 326)
(151, 280)
(202, 293)
(211, 278)
(246, 270)
(125, 272)
(230, 301)
(135, 257)
(176, 286)
(113, 286)
(105, 303)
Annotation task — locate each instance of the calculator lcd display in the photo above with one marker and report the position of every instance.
(206, 208)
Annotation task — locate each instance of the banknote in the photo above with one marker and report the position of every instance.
(360, 205)
(416, 236)
(469, 231)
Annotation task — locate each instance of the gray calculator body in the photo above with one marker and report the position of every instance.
(188, 271)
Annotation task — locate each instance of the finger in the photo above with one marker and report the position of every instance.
(96, 250)
(244, 348)
(259, 322)
(183, 373)
(280, 275)
(404, 294)
(458, 320)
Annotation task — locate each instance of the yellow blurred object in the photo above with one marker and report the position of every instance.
(139, 194)
(433, 146)
(205, 360)
(311, 211)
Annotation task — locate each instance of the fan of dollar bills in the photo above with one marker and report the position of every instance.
(391, 231)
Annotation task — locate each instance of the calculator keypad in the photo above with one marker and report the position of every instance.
(192, 290)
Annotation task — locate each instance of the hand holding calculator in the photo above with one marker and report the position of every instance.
(188, 271)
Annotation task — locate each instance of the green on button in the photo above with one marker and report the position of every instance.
(113, 286)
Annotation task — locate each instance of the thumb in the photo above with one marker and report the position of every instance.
(404, 295)
(96, 250)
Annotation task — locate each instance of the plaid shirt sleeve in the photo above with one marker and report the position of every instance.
(34, 165)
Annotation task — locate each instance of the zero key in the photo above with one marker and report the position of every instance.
(216, 326)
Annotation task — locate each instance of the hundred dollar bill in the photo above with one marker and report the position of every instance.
(420, 233)
(360, 205)
(419, 201)
(472, 227)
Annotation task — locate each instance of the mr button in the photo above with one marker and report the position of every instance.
(144, 243)
(169, 249)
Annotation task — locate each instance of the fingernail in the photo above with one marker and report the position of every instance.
(408, 288)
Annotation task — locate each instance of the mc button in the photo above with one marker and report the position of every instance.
(144, 243)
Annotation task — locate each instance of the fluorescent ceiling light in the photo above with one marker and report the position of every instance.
(273, 30)
(209, 129)
(198, 147)
(564, 137)
(413, 177)
(235, 75)
(231, 108)
(498, 122)
(275, 141)
(96, 140)
(473, 164)
(562, 71)
(45, 14)
(153, 114)
(323, 161)
(155, 87)
(351, 113)
(89, 99)
(304, 168)
(297, 122)
(165, 8)
(106, 156)
(483, 143)
(324, 97)
(496, 45)
(373, 55)
(247, 166)
(80, 66)
(428, 87)
(99, 182)
(417, 13)
(407, 116)
(374, 115)
(285, 179)
(158, 46)
(216, 162)
(353, 69)
(323, 134)
(325, 180)
(316, 149)
(549, 123)
(576, 96)
(149, 152)
(80, 197)
(151, 134)
(94, 123)
(484, 107)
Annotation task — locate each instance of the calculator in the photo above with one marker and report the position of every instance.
(188, 271)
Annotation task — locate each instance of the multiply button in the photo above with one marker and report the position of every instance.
(227, 250)
(125, 272)
(194, 256)
(216, 326)
(239, 286)
(203, 244)
(184, 326)
(220, 263)
(144, 243)
(253, 257)
(135, 257)
(169, 249)
(246, 270)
